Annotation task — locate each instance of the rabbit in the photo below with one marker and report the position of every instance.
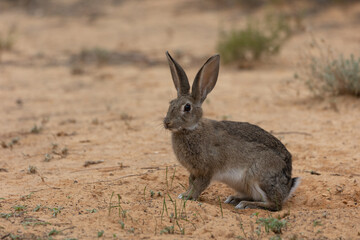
(244, 156)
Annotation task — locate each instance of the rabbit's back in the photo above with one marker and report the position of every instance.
(250, 133)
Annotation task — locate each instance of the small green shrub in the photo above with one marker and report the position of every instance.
(272, 224)
(327, 75)
(100, 233)
(254, 41)
(167, 230)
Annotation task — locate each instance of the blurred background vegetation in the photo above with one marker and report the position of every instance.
(268, 26)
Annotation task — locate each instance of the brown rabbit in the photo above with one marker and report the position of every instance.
(244, 156)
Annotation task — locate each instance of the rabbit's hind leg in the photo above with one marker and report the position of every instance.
(261, 205)
(271, 198)
(236, 199)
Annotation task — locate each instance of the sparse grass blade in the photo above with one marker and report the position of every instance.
(222, 214)
(112, 194)
(164, 209)
(172, 178)
(166, 179)
(144, 192)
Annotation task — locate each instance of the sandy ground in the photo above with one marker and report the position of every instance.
(113, 114)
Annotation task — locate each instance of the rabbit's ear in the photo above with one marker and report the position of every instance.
(205, 79)
(179, 77)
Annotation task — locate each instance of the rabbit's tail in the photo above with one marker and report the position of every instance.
(295, 182)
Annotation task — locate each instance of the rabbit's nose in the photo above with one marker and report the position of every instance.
(167, 123)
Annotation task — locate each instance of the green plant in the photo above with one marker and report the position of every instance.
(172, 178)
(35, 129)
(26, 196)
(175, 211)
(317, 223)
(144, 192)
(254, 41)
(273, 224)
(122, 224)
(177, 216)
(168, 188)
(32, 170)
(167, 230)
(91, 210)
(56, 211)
(64, 152)
(6, 215)
(164, 208)
(242, 228)
(48, 157)
(29, 221)
(222, 215)
(53, 232)
(122, 212)
(100, 233)
(19, 208)
(325, 74)
(15, 237)
(11, 143)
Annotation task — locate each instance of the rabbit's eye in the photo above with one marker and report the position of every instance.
(187, 107)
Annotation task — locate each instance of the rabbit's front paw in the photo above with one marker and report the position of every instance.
(232, 200)
(185, 196)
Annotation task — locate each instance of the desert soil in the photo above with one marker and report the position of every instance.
(59, 113)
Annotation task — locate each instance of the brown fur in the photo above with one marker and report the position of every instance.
(244, 156)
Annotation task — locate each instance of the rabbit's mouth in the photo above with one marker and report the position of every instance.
(169, 125)
(178, 129)
(172, 129)
(175, 130)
